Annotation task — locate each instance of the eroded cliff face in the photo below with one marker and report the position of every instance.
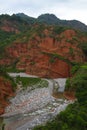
(8, 26)
(48, 55)
(6, 91)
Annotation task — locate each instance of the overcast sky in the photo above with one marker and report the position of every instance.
(63, 9)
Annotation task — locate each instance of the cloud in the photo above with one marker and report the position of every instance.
(64, 9)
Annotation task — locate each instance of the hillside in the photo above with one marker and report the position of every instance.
(45, 50)
(7, 87)
(12, 23)
(27, 18)
(49, 19)
(39, 48)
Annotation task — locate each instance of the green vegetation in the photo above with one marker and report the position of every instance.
(56, 31)
(79, 78)
(83, 46)
(79, 82)
(24, 81)
(75, 115)
(59, 29)
(30, 81)
(5, 39)
(39, 30)
(4, 74)
(71, 51)
(73, 40)
(84, 66)
(54, 56)
(14, 21)
(33, 31)
(27, 81)
(75, 69)
(1, 122)
(48, 19)
(13, 69)
(26, 18)
(4, 35)
(3, 127)
(68, 84)
(14, 24)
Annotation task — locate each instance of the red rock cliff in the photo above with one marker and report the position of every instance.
(46, 56)
(5, 92)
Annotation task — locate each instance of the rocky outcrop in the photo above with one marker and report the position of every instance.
(7, 28)
(70, 95)
(5, 92)
(48, 55)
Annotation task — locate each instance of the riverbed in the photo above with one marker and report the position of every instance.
(30, 108)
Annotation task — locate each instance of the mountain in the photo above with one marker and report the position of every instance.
(12, 23)
(51, 19)
(43, 50)
(74, 24)
(25, 17)
(46, 47)
(46, 50)
(10, 26)
(20, 21)
(48, 18)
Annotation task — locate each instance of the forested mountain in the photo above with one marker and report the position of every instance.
(51, 19)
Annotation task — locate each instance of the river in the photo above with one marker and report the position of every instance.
(28, 109)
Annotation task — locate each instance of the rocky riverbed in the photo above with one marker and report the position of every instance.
(31, 108)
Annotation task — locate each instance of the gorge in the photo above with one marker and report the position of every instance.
(57, 55)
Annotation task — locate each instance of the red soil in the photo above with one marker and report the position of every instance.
(5, 92)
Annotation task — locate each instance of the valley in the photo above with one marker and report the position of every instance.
(34, 107)
(43, 73)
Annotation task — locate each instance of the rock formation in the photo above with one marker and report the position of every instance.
(6, 91)
(45, 53)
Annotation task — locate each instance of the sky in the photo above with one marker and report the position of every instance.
(63, 9)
